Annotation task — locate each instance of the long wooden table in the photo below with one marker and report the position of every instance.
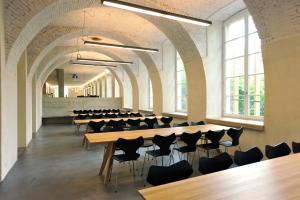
(79, 122)
(267, 180)
(112, 137)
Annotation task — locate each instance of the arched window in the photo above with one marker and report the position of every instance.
(243, 69)
(180, 86)
(150, 96)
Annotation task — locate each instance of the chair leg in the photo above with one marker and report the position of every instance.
(162, 161)
(207, 153)
(133, 168)
(144, 164)
(193, 157)
(116, 183)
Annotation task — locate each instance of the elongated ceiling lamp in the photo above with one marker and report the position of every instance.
(155, 12)
(118, 46)
(103, 61)
(91, 64)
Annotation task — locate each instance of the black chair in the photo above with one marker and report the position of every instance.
(218, 163)
(82, 116)
(96, 116)
(150, 115)
(214, 137)
(96, 128)
(129, 147)
(159, 175)
(151, 122)
(190, 139)
(198, 123)
(134, 124)
(276, 151)
(164, 143)
(117, 124)
(181, 124)
(235, 135)
(251, 156)
(166, 122)
(296, 147)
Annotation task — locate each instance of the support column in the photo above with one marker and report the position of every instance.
(61, 82)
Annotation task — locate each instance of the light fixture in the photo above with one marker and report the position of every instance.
(105, 61)
(155, 12)
(90, 43)
(91, 64)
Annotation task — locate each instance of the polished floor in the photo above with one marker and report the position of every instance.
(56, 166)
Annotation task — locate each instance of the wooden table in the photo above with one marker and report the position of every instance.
(79, 122)
(276, 179)
(112, 137)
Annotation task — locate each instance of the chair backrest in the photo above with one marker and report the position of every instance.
(142, 127)
(164, 143)
(181, 124)
(276, 151)
(150, 115)
(117, 124)
(251, 156)
(82, 116)
(134, 122)
(235, 135)
(198, 123)
(159, 175)
(96, 126)
(151, 122)
(296, 147)
(166, 120)
(130, 147)
(215, 137)
(191, 139)
(96, 116)
(215, 164)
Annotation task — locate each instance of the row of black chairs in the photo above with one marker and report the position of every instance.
(96, 111)
(108, 115)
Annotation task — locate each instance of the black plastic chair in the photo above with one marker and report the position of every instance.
(151, 122)
(133, 123)
(122, 115)
(181, 124)
(96, 116)
(251, 156)
(296, 147)
(159, 175)
(218, 163)
(82, 116)
(164, 143)
(198, 123)
(214, 137)
(235, 135)
(190, 139)
(117, 124)
(166, 122)
(96, 126)
(276, 151)
(150, 115)
(129, 147)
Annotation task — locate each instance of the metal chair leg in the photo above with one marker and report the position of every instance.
(133, 168)
(144, 165)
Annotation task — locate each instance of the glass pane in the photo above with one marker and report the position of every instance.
(235, 67)
(181, 77)
(254, 43)
(235, 105)
(256, 105)
(256, 85)
(179, 63)
(235, 48)
(251, 25)
(235, 86)
(235, 29)
(255, 64)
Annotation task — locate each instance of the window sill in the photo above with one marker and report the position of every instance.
(177, 115)
(247, 124)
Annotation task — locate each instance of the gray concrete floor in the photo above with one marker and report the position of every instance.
(56, 166)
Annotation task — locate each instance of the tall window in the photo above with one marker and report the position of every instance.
(117, 89)
(244, 72)
(108, 86)
(181, 93)
(150, 95)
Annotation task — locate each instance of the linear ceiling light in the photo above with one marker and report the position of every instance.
(105, 61)
(155, 12)
(90, 43)
(91, 64)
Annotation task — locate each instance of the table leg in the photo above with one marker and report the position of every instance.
(107, 162)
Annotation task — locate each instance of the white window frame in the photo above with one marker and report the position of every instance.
(176, 99)
(150, 96)
(242, 14)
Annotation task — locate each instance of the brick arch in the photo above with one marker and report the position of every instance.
(60, 59)
(39, 61)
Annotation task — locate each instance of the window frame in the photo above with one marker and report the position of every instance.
(176, 84)
(245, 15)
(150, 94)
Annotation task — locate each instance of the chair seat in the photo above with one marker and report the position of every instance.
(185, 149)
(124, 158)
(157, 153)
(147, 143)
(227, 143)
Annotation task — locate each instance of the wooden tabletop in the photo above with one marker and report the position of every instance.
(276, 179)
(86, 121)
(149, 133)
